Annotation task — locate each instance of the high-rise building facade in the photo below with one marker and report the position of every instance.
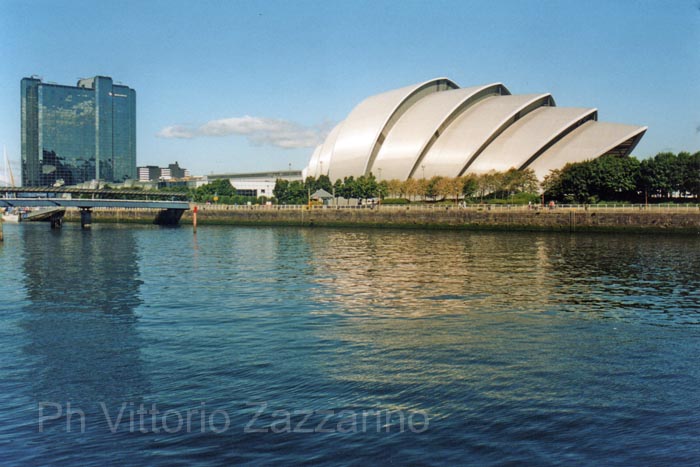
(74, 134)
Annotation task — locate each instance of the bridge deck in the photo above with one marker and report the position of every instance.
(95, 193)
(92, 203)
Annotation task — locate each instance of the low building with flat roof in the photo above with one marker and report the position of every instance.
(258, 183)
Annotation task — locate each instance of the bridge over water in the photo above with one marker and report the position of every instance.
(170, 209)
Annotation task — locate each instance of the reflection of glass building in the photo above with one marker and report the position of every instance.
(75, 134)
(80, 326)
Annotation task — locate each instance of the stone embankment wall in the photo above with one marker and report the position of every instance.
(558, 219)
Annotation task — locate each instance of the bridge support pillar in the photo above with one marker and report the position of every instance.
(85, 218)
(56, 222)
(169, 216)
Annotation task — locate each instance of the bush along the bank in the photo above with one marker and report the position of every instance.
(664, 177)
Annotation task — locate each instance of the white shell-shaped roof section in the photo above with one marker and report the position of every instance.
(363, 128)
(326, 155)
(312, 169)
(589, 141)
(419, 125)
(473, 130)
(527, 136)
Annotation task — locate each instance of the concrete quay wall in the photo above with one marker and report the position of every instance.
(558, 219)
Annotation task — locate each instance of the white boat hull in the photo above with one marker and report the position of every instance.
(12, 218)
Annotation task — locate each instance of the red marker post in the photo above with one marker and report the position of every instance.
(194, 220)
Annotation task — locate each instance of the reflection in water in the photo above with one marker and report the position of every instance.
(638, 277)
(521, 348)
(422, 273)
(435, 315)
(416, 273)
(79, 326)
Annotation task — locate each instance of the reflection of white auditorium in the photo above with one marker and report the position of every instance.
(437, 128)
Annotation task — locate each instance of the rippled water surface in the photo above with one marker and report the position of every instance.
(351, 347)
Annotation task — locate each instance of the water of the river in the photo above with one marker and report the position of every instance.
(150, 346)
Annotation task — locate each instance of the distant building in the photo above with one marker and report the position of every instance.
(257, 183)
(74, 134)
(153, 173)
(176, 171)
(149, 173)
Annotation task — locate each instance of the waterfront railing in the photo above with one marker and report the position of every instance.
(664, 207)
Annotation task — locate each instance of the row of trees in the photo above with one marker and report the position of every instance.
(610, 178)
(489, 185)
(297, 192)
(663, 177)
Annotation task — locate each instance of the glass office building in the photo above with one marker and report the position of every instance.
(74, 134)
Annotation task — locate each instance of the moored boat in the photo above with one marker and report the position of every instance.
(12, 215)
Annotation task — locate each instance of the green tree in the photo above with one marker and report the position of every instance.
(692, 180)
(689, 169)
(281, 190)
(525, 181)
(572, 183)
(217, 188)
(324, 183)
(432, 187)
(551, 184)
(348, 189)
(297, 193)
(645, 179)
(287, 192)
(367, 187)
(383, 189)
(470, 185)
(310, 184)
(614, 177)
(662, 169)
(338, 187)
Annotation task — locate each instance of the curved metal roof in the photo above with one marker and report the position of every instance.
(527, 137)
(589, 141)
(326, 154)
(312, 169)
(473, 130)
(435, 128)
(421, 125)
(368, 124)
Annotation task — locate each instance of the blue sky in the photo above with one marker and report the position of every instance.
(229, 86)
